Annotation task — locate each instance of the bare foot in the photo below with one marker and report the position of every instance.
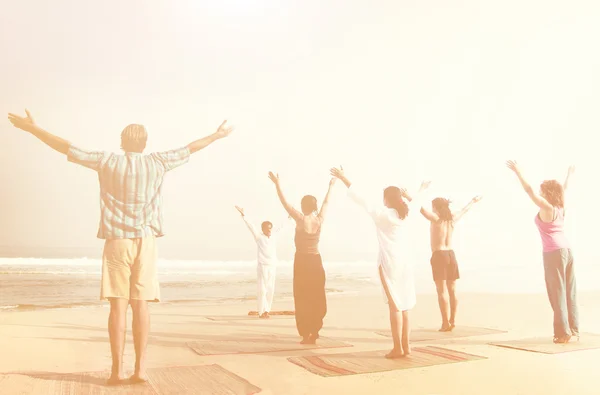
(394, 354)
(562, 340)
(452, 326)
(445, 328)
(267, 314)
(304, 340)
(138, 378)
(115, 379)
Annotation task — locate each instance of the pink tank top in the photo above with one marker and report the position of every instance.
(553, 233)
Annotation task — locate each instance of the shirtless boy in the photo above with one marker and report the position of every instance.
(443, 260)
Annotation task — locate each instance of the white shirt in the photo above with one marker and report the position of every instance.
(267, 246)
(393, 247)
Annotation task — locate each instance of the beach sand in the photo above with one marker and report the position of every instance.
(75, 340)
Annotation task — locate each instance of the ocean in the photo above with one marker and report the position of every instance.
(27, 283)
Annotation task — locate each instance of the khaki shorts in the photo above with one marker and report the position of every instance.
(129, 270)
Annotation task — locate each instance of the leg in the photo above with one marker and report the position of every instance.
(453, 302)
(144, 289)
(554, 275)
(115, 286)
(116, 334)
(405, 332)
(299, 290)
(141, 329)
(260, 289)
(571, 284)
(270, 289)
(319, 300)
(395, 320)
(452, 274)
(440, 286)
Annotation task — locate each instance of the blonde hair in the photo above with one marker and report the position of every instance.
(133, 138)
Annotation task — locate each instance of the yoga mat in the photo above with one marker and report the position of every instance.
(256, 344)
(251, 317)
(208, 379)
(374, 361)
(421, 335)
(544, 345)
(286, 313)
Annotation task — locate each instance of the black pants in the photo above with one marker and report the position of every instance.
(309, 293)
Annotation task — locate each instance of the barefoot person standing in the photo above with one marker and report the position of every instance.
(310, 301)
(266, 262)
(130, 221)
(443, 260)
(395, 270)
(559, 269)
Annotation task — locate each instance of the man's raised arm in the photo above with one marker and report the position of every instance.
(28, 124)
(204, 142)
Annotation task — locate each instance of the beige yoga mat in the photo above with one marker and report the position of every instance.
(259, 343)
(277, 313)
(208, 379)
(422, 335)
(544, 345)
(374, 361)
(252, 316)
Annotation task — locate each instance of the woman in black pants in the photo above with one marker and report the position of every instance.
(309, 276)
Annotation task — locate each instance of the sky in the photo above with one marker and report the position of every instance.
(395, 91)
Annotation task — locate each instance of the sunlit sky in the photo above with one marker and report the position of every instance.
(395, 91)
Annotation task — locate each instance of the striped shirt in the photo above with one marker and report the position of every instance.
(130, 189)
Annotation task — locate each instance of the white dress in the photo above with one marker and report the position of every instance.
(266, 268)
(396, 264)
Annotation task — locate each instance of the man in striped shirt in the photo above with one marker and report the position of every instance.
(130, 220)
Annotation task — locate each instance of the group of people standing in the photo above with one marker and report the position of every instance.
(395, 268)
(131, 220)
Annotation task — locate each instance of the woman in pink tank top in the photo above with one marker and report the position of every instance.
(559, 270)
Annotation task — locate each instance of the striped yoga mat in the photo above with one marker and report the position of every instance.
(208, 379)
(544, 345)
(421, 334)
(259, 343)
(374, 361)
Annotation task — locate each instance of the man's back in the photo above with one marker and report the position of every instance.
(441, 235)
(130, 189)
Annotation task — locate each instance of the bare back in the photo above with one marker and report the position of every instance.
(309, 224)
(441, 235)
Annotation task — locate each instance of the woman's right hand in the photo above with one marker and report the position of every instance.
(512, 164)
(274, 177)
(337, 173)
(241, 210)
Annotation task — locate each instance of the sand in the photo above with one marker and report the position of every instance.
(75, 340)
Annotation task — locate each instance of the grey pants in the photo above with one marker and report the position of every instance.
(562, 291)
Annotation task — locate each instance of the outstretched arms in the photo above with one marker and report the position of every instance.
(248, 224)
(325, 204)
(535, 197)
(295, 214)
(28, 124)
(458, 215)
(374, 211)
(569, 174)
(204, 142)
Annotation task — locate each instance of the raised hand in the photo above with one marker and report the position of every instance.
(24, 123)
(424, 185)
(241, 210)
(571, 170)
(512, 165)
(274, 177)
(477, 198)
(224, 130)
(332, 181)
(336, 173)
